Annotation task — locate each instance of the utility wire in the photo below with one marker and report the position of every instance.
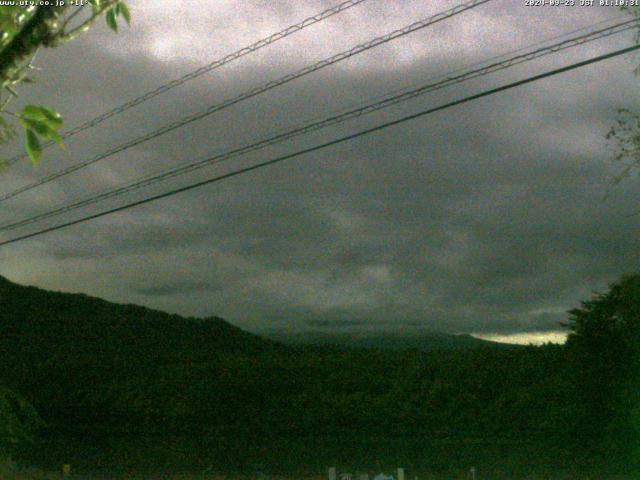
(330, 143)
(333, 120)
(500, 57)
(254, 92)
(307, 22)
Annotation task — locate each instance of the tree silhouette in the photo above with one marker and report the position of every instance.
(604, 348)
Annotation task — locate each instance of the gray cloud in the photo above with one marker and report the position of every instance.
(489, 217)
(173, 288)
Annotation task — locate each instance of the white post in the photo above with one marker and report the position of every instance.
(400, 473)
(332, 473)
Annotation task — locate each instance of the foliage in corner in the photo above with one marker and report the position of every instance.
(605, 351)
(41, 122)
(23, 31)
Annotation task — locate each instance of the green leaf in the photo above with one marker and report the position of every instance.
(53, 117)
(43, 129)
(37, 126)
(55, 136)
(43, 114)
(111, 19)
(40, 121)
(33, 147)
(124, 11)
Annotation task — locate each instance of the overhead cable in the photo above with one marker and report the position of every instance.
(252, 93)
(321, 146)
(330, 121)
(307, 22)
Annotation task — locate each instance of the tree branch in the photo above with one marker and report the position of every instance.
(84, 26)
(38, 31)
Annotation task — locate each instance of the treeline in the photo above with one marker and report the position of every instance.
(94, 369)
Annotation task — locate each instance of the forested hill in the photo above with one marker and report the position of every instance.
(200, 391)
(83, 360)
(40, 322)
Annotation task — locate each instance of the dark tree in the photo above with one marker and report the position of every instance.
(604, 348)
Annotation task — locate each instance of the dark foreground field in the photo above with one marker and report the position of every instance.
(199, 457)
(123, 391)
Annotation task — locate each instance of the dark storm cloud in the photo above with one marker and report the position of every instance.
(490, 217)
(335, 324)
(173, 288)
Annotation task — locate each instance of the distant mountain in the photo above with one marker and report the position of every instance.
(38, 320)
(424, 342)
(124, 386)
(61, 349)
(40, 323)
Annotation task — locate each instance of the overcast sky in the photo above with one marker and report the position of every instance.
(488, 218)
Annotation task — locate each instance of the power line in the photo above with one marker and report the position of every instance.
(330, 143)
(497, 58)
(254, 92)
(307, 22)
(333, 120)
